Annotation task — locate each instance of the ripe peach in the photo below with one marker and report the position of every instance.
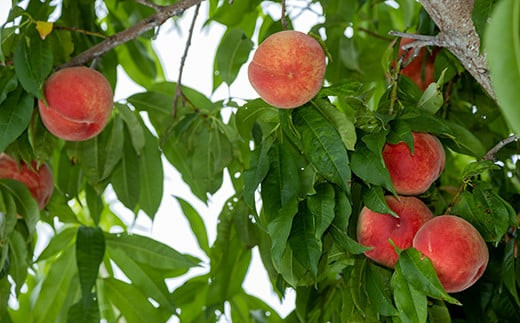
(375, 229)
(38, 180)
(414, 70)
(79, 103)
(456, 249)
(413, 174)
(287, 69)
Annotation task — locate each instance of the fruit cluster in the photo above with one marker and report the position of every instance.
(456, 249)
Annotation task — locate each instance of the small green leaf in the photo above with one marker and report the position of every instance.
(232, 52)
(323, 146)
(411, 304)
(502, 45)
(343, 124)
(90, 249)
(257, 171)
(16, 114)
(58, 243)
(131, 302)
(84, 311)
(196, 223)
(304, 243)
(151, 176)
(125, 179)
(133, 126)
(431, 100)
(419, 273)
(148, 251)
(370, 167)
(378, 289)
(18, 259)
(33, 61)
(26, 205)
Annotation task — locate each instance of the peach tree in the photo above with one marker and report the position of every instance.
(301, 176)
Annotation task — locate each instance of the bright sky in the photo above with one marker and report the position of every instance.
(170, 226)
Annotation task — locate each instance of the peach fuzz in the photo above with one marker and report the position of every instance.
(79, 103)
(414, 70)
(375, 229)
(456, 249)
(414, 174)
(38, 180)
(287, 69)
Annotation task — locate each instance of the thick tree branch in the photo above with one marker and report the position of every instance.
(144, 25)
(459, 36)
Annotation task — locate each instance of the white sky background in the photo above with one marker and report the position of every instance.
(170, 226)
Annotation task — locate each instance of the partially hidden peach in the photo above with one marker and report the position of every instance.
(79, 103)
(414, 70)
(38, 180)
(456, 249)
(287, 69)
(413, 174)
(375, 229)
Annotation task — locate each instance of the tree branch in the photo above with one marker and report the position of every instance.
(459, 36)
(283, 17)
(178, 92)
(490, 155)
(122, 37)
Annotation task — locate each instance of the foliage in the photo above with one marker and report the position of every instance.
(303, 174)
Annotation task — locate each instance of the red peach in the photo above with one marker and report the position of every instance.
(79, 103)
(413, 174)
(414, 70)
(38, 180)
(287, 69)
(375, 229)
(456, 249)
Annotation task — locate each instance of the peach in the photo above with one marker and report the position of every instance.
(375, 229)
(287, 69)
(456, 249)
(414, 70)
(38, 180)
(413, 174)
(79, 103)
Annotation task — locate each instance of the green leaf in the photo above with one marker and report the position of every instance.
(42, 141)
(26, 205)
(84, 311)
(90, 249)
(374, 199)
(418, 272)
(94, 203)
(321, 205)
(431, 100)
(482, 10)
(8, 83)
(343, 124)
(508, 277)
(502, 45)
(323, 146)
(33, 61)
(133, 126)
(231, 14)
(305, 245)
(232, 52)
(279, 195)
(255, 174)
(250, 309)
(151, 176)
(58, 243)
(145, 250)
(411, 304)
(18, 259)
(465, 141)
(141, 279)
(51, 296)
(378, 290)
(254, 111)
(131, 302)
(16, 111)
(196, 223)
(125, 179)
(479, 168)
(370, 167)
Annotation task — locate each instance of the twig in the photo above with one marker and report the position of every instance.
(283, 18)
(122, 37)
(150, 4)
(81, 31)
(490, 155)
(374, 34)
(178, 91)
